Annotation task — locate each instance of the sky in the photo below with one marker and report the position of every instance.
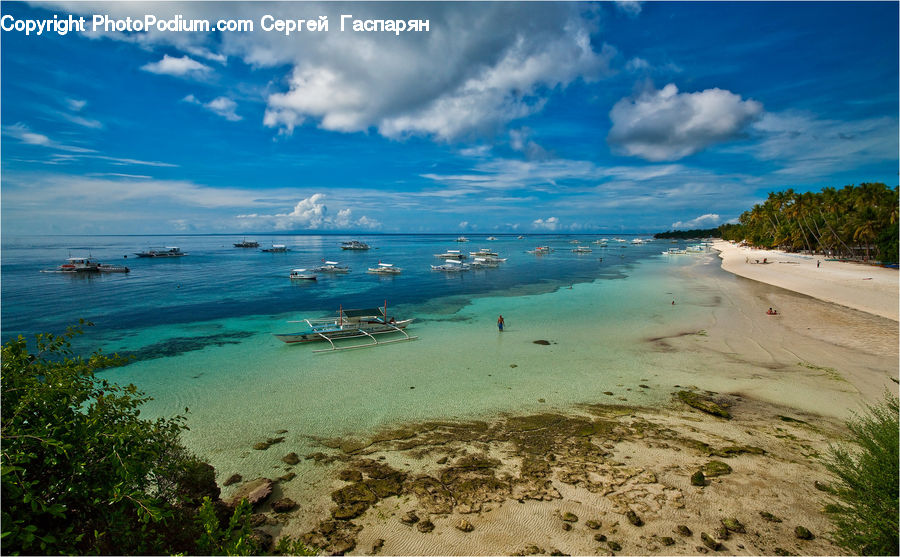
(610, 117)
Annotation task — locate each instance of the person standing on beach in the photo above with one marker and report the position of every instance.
(818, 263)
(500, 323)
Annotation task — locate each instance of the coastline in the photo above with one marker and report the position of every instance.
(863, 287)
(788, 382)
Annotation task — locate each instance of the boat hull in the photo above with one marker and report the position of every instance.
(337, 331)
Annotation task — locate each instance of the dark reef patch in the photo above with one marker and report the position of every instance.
(181, 345)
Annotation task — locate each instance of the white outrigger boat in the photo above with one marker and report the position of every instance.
(331, 267)
(385, 269)
(355, 245)
(451, 254)
(276, 248)
(168, 251)
(350, 323)
(86, 265)
(451, 266)
(302, 274)
(582, 249)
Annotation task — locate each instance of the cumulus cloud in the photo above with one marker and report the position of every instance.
(665, 125)
(550, 223)
(497, 64)
(180, 67)
(703, 221)
(311, 213)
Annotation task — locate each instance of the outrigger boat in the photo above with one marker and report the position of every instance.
(451, 266)
(86, 265)
(451, 254)
(302, 274)
(350, 323)
(276, 248)
(384, 269)
(245, 244)
(354, 245)
(331, 267)
(167, 251)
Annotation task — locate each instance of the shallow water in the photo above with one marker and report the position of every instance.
(202, 336)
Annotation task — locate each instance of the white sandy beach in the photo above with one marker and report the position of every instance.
(864, 287)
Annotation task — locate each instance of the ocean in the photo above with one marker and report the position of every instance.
(198, 330)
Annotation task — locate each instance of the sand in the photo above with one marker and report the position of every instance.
(788, 382)
(864, 287)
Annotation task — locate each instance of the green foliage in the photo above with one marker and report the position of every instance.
(234, 539)
(82, 472)
(856, 222)
(291, 546)
(865, 489)
(688, 234)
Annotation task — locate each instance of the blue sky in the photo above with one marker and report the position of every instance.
(503, 117)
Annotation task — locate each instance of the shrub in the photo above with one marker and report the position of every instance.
(865, 489)
(82, 472)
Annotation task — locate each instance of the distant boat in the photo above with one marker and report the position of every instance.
(276, 248)
(86, 265)
(462, 239)
(451, 254)
(385, 269)
(355, 245)
(451, 266)
(520, 237)
(491, 238)
(484, 252)
(582, 249)
(541, 250)
(167, 251)
(245, 244)
(302, 274)
(331, 267)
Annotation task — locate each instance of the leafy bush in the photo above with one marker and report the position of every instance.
(82, 472)
(865, 509)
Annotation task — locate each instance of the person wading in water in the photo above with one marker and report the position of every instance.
(500, 323)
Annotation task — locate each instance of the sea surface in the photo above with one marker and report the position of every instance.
(198, 330)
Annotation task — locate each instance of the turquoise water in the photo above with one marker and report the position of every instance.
(202, 334)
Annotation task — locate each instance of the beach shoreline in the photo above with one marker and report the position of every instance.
(863, 287)
(573, 480)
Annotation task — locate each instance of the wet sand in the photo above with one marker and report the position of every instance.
(608, 477)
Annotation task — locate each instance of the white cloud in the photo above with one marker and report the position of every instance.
(519, 141)
(630, 7)
(75, 105)
(24, 134)
(665, 125)
(311, 213)
(550, 223)
(223, 106)
(490, 73)
(180, 67)
(708, 220)
(808, 146)
(637, 64)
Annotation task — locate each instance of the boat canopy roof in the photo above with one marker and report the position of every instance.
(331, 262)
(364, 312)
(298, 270)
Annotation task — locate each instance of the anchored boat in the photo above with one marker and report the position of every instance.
(86, 265)
(167, 251)
(350, 323)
